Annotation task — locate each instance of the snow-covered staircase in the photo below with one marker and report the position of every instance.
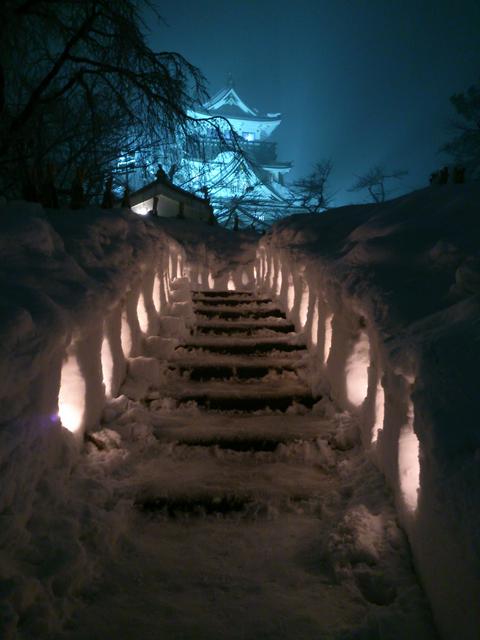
(252, 513)
(243, 355)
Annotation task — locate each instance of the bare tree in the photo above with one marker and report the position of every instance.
(374, 182)
(79, 84)
(312, 193)
(464, 147)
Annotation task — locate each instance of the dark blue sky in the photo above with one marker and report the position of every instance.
(361, 82)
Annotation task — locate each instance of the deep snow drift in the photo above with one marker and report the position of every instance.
(83, 296)
(388, 299)
(314, 552)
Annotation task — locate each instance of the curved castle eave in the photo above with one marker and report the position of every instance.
(228, 97)
(260, 126)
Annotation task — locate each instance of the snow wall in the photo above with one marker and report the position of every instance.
(84, 297)
(389, 299)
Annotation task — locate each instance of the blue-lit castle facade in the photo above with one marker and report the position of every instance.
(240, 175)
(250, 185)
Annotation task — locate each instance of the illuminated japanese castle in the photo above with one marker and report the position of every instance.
(249, 185)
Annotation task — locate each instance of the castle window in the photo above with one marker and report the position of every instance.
(126, 160)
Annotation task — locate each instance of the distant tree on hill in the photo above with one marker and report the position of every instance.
(465, 145)
(312, 192)
(374, 182)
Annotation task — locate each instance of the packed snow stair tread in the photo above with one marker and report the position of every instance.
(242, 467)
(245, 377)
(233, 505)
(243, 363)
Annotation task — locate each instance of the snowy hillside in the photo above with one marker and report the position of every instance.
(390, 296)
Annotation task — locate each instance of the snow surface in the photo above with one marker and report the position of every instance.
(395, 291)
(388, 300)
(316, 552)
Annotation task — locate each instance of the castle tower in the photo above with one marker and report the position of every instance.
(252, 186)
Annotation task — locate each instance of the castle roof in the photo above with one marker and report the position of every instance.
(228, 103)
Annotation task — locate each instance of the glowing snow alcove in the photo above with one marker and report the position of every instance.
(314, 329)
(290, 293)
(278, 287)
(356, 370)
(379, 411)
(327, 344)
(142, 314)
(126, 338)
(107, 366)
(303, 311)
(272, 272)
(409, 461)
(166, 288)
(71, 395)
(157, 293)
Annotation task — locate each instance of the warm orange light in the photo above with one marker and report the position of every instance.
(379, 411)
(314, 329)
(156, 293)
(272, 272)
(71, 395)
(126, 335)
(356, 370)
(290, 294)
(142, 314)
(303, 311)
(166, 288)
(107, 366)
(328, 337)
(409, 461)
(278, 287)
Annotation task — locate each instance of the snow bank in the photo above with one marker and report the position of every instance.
(82, 295)
(388, 298)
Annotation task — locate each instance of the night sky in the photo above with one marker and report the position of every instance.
(362, 82)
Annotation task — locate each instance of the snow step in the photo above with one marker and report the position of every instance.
(230, 301)
(241, 444)
(251, 402)
(239, 313)
(308, 426)
(243, 327)
(249, 347)
(207, 329)
(221, 371)
(194, 505)
(224, 294)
